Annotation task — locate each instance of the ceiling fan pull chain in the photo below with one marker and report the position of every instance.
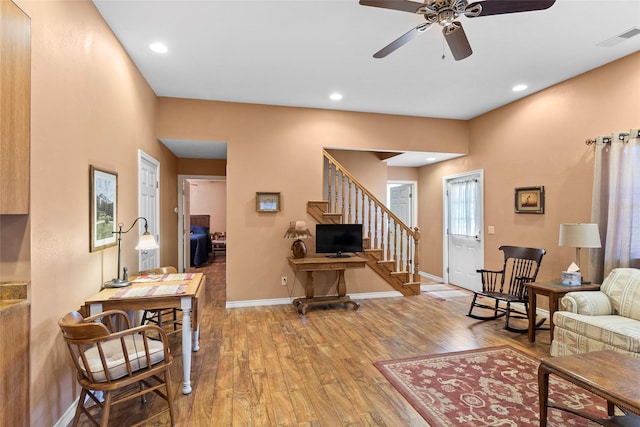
(443, 50)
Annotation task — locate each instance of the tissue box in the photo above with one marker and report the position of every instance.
(571, 279)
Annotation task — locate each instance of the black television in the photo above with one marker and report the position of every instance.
(336, 239)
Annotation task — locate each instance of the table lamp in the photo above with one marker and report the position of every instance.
(579, 236)
(298, 230)
(145, 243)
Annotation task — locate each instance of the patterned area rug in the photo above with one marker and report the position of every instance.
(443, 292)
(495, 386)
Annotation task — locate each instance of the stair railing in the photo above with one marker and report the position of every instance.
(385, 231)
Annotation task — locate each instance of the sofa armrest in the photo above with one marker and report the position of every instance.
(591, 303)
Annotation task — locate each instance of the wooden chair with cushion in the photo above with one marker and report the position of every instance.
(121, 365)
(163, 316)
(520, 266)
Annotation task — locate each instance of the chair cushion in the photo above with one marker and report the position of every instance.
(115, 358)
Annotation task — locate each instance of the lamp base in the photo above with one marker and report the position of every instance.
(299, 249)
(117, 283)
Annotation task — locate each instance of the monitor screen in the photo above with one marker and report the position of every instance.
(336, 239)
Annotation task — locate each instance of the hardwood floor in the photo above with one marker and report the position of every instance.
(269, 366)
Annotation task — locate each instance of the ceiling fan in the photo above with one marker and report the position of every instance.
(445, 13)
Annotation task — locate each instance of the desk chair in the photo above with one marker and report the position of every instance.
(520, 266)
(160, 316)
(122, 365)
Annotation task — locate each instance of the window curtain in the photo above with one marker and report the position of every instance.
(616, 203)
(464, 217)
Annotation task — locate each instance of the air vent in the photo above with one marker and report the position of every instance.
(631, 32)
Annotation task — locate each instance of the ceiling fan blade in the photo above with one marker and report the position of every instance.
(401, 41)
(498, 7)
(457, 40)
(401, 5)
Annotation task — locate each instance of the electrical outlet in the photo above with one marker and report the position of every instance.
(283, 281)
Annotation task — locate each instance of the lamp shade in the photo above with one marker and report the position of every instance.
(297, 230)
(147, 242)
(579, 236)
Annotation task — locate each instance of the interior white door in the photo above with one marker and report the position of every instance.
(464, 246)
(149, 207)
(400, 202)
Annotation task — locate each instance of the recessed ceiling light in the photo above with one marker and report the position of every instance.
(335, 96)
(158, 47)
(431, 159)
(519, 88)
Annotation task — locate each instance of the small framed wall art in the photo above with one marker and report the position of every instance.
(103, 205)
(268, 202)
(530, 200)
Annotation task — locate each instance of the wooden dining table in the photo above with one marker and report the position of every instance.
(180, 290)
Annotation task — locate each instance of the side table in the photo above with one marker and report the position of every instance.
(312, 264)
(554, 291)
(609, 374)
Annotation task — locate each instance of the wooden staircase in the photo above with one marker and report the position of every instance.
(390, 246)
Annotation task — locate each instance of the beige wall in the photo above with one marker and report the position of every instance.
(90, 106)
(539, 140)
(210, 198)
(280, 150)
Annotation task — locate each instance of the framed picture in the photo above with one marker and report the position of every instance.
(530, 200)
(103, 205)
(268, 202)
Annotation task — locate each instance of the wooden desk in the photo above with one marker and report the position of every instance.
(554, 291)
(611, 375)
(325, 264)
(187, 301)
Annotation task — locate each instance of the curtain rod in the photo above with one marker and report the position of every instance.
(635, 133)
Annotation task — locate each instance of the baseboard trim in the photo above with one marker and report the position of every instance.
(431, 277)
(282, 301)
(68, 415)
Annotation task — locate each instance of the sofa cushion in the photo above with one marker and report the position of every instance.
(616, 331)
(114, 356)
(622, 286)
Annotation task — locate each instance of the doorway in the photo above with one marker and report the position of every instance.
(188, 198)
(401, 200)
(149, 206)
(463, 229)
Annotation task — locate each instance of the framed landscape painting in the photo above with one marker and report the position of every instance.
(103, 205)
(530, 200)
(268, 202)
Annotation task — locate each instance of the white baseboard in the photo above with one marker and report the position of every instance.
(281, 301)
(431, 277)
(68, 415)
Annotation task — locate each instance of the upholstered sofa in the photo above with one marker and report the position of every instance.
(599, 320)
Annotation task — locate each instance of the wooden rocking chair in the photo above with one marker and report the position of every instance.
(520, 266)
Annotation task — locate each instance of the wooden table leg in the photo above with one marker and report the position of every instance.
(543, 393)
(342, 285)
(532, 315)
(308, 286)
(553, 307)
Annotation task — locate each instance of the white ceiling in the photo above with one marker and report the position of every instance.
(297, 52)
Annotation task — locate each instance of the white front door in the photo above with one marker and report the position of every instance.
(464, 247)
(149, 206)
